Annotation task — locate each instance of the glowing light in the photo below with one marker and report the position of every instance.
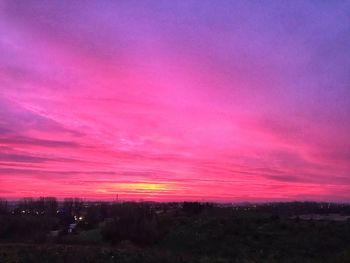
(144, 186)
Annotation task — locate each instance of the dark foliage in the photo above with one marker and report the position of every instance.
(44, 230)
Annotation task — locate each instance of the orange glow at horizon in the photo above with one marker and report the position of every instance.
(138, 187)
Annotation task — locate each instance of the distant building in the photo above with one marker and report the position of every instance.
(72, 227)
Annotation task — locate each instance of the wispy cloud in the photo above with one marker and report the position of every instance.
(172, 100)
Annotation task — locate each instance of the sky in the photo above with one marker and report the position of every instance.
(225, 101)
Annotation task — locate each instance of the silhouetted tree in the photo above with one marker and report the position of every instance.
(4, 208)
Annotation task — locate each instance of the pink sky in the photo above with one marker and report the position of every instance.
(175, 100)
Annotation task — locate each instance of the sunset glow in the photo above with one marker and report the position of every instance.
(175, 100)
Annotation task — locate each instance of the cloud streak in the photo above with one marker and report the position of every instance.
(175, 100)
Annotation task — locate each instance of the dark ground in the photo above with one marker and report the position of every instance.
(31, 231)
